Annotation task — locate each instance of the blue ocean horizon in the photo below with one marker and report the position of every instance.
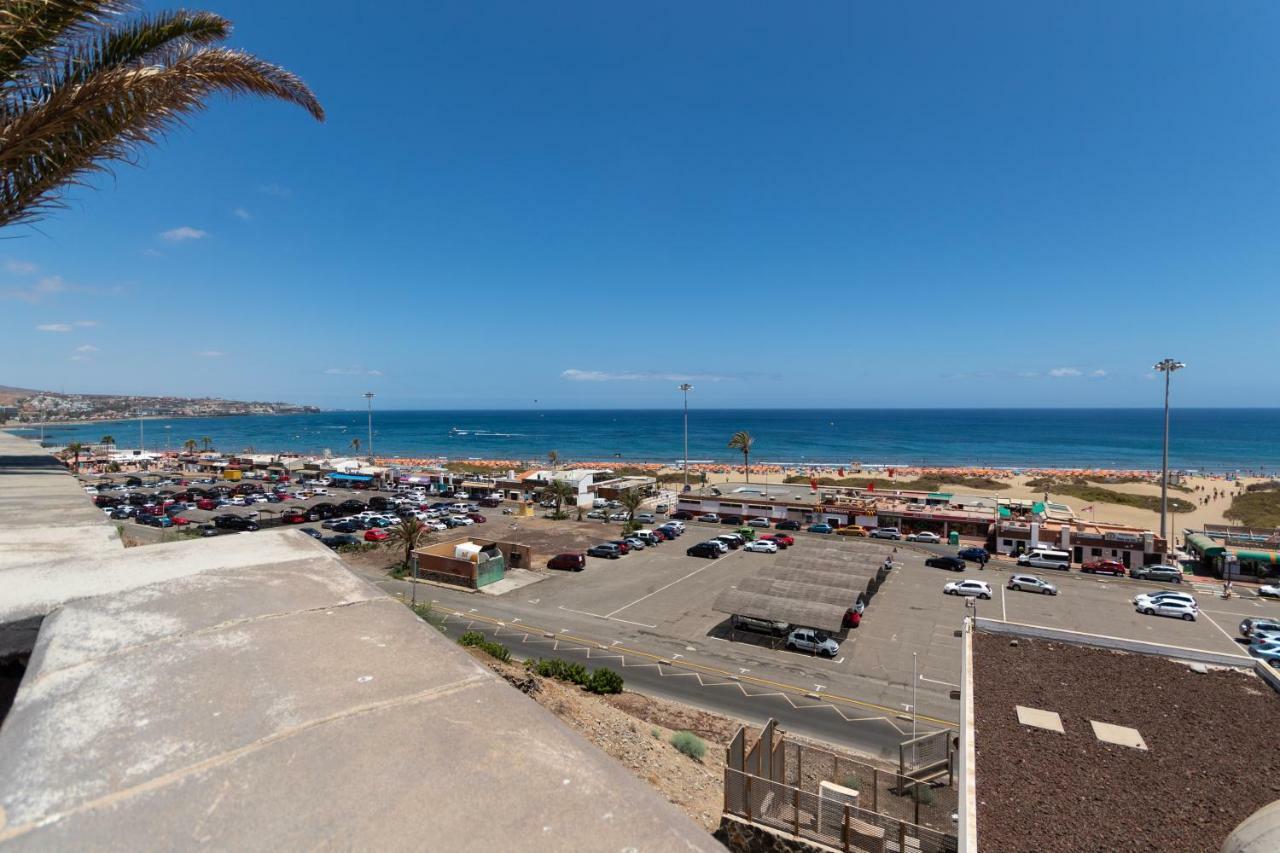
(1217, 440)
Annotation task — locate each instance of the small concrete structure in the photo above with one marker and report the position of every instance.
(471, 562)
(1119, 735)
(1040, 719)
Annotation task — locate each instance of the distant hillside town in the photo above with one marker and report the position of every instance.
(19, 405)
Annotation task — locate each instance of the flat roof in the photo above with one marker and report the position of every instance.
(1206, 738)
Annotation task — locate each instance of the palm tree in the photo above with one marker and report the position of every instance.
(631, 502)
(561, 492)
(742, 440)
(108, 439)
(553, 458)
(207, 442)
(83, 84)
(355, 445)
(189, 445)
(76, 448)
(408, 535)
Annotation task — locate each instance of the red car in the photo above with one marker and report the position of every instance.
(622, 546)
(476, 517)
(179, 521)
(206, 503)
(293, 516)
(377, 534)
(568, 562)
(1104, 567)
(783, 540)
(852, 618)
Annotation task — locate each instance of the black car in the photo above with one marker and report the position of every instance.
(378, 502)
(735, 520)
(787, 524)
(234, 522)
(682, 515)
(312, 532)
(325, 510)
(954, 564)
(351, 507)
(340, 540)
(121, 514)
(977, 555)
(607, 550)
(704, 549)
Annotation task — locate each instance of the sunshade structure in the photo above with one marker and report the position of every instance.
(847, 582)
(799, 591)
(824, 617)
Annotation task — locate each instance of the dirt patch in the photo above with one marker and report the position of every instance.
(1211, 759)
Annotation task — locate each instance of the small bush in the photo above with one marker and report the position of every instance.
(471, 638)
(494, 650)
(921, 792)
(656, 734)
(852, 783)
(605, 680)
(690, 744)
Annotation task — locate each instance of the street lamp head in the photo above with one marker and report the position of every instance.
(686, 387)
(1168, 365)
(368, 395)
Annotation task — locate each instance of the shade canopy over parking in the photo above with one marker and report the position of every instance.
(854, 584)
(810, 614)
(799, 591)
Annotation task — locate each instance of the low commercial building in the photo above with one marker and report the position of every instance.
(471, 563)
(1236, 552)
(1084, 540)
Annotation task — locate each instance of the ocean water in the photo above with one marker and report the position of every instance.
(1205, 439)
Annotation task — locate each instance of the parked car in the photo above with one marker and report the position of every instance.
(719, 544)
(635, 543)
(492, 503)
(461, 520)
(1031, 583)
(733, 540)
(924, 536)
(735, 520)
(783, 540)
(808, 640)
(1255, 623)
(340, 540)
(598, 513)
(607, 550)
(1046, 558)
(758, 522)
(709, 518)
(981, 589)
(954, 564)
(1151, 599)
(292, 516)
(618, 516)
(760, 626)
(646, 518)
(1269, 652)
(234, 522)
(377, 534)
(704, 549)
(682, 515)
(976, 555)
(660, 509)
(1262, 638)
(313, 533)
(1157, 573)
(1269, 590)
(476, 517)
(568, 562)
(886, 533)
(1168, 607)
(748, 534)
(623, 545)
(852, 530)
(648, 537)
(787, 524)
(1104, 567)
(763, 546)
(820, 528)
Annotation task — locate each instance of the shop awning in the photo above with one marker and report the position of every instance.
(1258, 557)
(1205, 546)
(349, 478)
(1005, 513)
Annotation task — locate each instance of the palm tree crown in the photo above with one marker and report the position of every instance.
(83, 83)
(742, 440)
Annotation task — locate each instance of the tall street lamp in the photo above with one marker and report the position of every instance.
(686, 388)
(368, 395)
(1167, 367)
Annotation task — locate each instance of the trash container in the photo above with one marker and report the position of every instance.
(953, 538)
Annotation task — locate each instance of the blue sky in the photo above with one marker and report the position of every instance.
(582, 203)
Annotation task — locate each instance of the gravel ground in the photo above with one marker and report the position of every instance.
(1212, 758)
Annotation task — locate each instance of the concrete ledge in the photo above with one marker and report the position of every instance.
(1268, 673)
(968, 777)
(1017, 629)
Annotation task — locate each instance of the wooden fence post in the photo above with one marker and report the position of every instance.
(795, 813)
(844, 833)
(902, 836)
(875, 789)
(748, 798)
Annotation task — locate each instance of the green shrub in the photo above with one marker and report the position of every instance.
(494, 650)
(656, 734)
(852, 783)
(690, 744)
(605, 680)
(471, 638)
(922, 793)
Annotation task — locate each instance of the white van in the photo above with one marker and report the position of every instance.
(1046, 558)
(599, 503)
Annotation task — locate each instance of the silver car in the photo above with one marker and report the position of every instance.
(1031, 583)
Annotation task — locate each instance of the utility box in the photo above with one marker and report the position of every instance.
(953, 538)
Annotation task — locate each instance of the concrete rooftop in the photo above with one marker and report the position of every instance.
(249, 692)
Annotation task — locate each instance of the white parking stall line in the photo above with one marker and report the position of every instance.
(660, 589)
(1215, 624)
(1004, 611)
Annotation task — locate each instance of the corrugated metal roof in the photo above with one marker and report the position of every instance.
(800, 591)
(823, 617)
(849, 582)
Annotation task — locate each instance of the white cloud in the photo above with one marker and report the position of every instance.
(211, 353)
(185, 232)
(86, 348)
(352, 371)
(375, 372)
(1064, 371)
(20, 267)
(575, 375)
(1099, 373)
(44, 287)
(54, 327)
(274, 189)
(152, 253)
(242, 214)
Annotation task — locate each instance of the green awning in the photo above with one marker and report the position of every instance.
(1258, 556)
(940, 496)
(1038, 507)
(1004, 512)
(1204, 545)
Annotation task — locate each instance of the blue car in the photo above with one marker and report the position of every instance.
(975, 555)
(820, 528)
(1269, 652)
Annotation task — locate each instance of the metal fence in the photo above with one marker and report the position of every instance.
(826, 820)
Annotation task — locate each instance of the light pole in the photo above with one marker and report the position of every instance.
(915, 680)
(686, 388)
(368, 395)
(1167, 367)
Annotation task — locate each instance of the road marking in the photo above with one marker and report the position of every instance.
(1215, 624)
(661, 588)
(1004, 612)
(936, 681)
(610, 618)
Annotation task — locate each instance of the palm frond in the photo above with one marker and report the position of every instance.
(81, 125)
(29, 29)
(148, 39)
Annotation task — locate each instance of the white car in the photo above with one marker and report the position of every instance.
(764, 546)
(758, 522)
(1168, 607)
(721, 544)
(618, 516)
(646, 518)
(635, 543)
(1270, 590)
(1147, 599)
(462, 520)
(925, 536)
(981, 589)
(806, 640)
(1031, 583)
(437, 525)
